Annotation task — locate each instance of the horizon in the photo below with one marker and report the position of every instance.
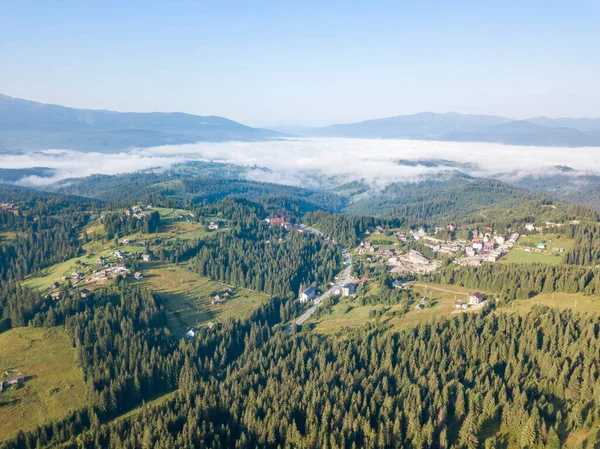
(308, 63)
(302, 124)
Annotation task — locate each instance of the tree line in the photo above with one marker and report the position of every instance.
(474, 381)
(522, 281)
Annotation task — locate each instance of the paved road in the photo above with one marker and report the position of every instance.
(343, 279)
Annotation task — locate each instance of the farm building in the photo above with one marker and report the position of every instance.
(475, 298)
(7, 383)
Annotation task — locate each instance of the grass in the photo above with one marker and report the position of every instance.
(382, 240)
(53, 384)
(188, 296)
(575, 301)
(551, 240)
(169, 230)
(154, 402)
(517, 255)
(441, 307)
(56, 272)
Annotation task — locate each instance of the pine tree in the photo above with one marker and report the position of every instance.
(468, 433)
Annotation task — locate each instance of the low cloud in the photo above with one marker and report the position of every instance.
(306, 162)
(74, 164)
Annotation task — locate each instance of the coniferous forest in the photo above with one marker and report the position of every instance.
(492, 379)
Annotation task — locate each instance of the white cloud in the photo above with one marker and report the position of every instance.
(73, 164)
(296, 161)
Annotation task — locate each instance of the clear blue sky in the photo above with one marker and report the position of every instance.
(305, 62)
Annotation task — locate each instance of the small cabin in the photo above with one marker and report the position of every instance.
(475, 298)
(7, 383)
(191, 333)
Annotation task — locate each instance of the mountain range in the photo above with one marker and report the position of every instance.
(28, 125)
(465, 128)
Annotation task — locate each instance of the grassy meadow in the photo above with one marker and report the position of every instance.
(517, 255)
(349, 313)
(188, 296)
(576, 301)
(53, 385)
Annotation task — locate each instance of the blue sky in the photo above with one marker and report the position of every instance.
(290, 62)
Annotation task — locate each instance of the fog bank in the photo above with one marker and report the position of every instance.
(305, 161)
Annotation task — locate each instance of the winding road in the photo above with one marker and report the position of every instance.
(343, 279)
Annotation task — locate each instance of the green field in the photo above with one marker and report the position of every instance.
(56, 272)
(576, 301)
(518, 256)
(170, 230)
(551, 240)
(382, 240)
(188, 296)
(53, 382)
(349, 313)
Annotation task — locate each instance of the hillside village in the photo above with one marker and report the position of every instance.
(125, 257)
(484, 245)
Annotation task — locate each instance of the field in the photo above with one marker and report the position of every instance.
(56, 272)
(551, 240)
(349, 313)
(517, 255)
(171, 228)
(53, 383)
(382, 240)
(188, 297)
(576, 301)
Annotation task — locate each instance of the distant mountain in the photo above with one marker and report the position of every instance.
(417, 126)
(27, 125)
(469, 128)
(590, 125)
(526, 133)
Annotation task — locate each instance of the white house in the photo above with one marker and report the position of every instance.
(475, 298)
(308, 294)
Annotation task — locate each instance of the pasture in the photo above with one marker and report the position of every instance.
(53, 383)
(188, 297)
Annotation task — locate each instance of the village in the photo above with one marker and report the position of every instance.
(484, 245)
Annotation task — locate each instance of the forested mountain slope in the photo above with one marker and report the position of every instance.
(449, 198)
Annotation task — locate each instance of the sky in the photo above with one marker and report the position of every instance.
(305, 62)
